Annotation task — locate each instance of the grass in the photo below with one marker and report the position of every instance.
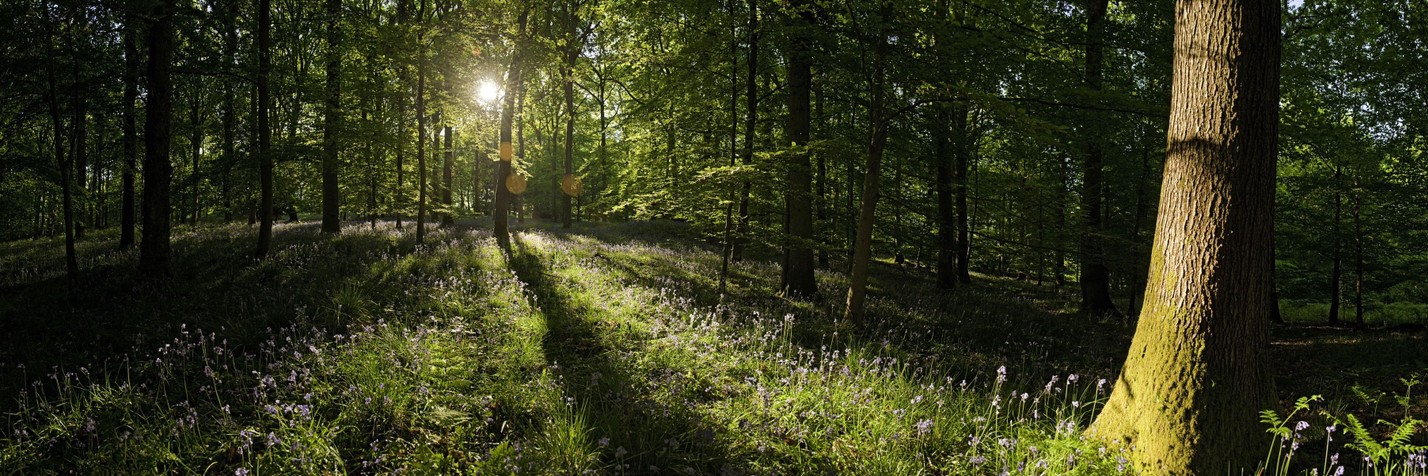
(602, 350)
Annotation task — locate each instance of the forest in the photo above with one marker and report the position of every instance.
(940, 237)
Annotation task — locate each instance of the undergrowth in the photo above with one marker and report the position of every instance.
(571, 353)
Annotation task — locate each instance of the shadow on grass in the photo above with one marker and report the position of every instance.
(215, 286)
(654, 434)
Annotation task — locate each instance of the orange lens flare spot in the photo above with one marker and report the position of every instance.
(570, 184)
(507, 151)
(516, 184)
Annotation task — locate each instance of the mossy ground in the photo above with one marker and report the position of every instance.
(599, 350)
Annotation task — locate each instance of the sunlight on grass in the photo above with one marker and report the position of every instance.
(592, 353)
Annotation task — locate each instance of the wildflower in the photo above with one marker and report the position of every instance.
(1002, 374)
(1301, 426)
(604, 441)
(620, 452)
(924, 427)
(977, 460)
(241, 472)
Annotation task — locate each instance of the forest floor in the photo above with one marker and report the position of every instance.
(602, 350)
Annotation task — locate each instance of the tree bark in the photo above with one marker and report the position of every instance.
(797, 279)
(154, 248)
(1095, 275)
(1336, 273)
(567, 75)
(265, 130)
(448, 161)
(1196, 377)
(421, 135)
(751, 121)
(877, 142)
(501, 220)
(131, 137)
(332, 121)
(195, 149)
(230, 113)
(962, 151)
(1355, 202)
(65, 165)
(947, 250)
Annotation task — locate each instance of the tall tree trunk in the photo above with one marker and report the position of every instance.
(131, 137)
(567, 76)
(265, 130)
(798, 265)
(1197, 375)
(1336, 273)
(230, 113)
(195, 150)
(751, 121)
(447, 162)
(821, 200)
(78, 143)
(403, 79)
(421, 134)
(1095, 276)
(728, 250)
(65, 165)
(1355, 203)
(947, 251)
(154, 251)
(508, 114)
(962, 150)
(332, 121)
(878, 137)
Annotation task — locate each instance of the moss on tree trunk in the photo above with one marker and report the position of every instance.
(1196, 377)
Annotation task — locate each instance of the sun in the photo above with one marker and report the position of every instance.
(488, 92)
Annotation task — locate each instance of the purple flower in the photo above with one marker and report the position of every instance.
(924, 427)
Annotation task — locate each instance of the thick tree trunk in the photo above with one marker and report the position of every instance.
(154, 248)
(131, 137)
(1095, 276)
(265, 130)
(798, 278)
(501, 227)
(1197, 375)
(877, 142)
(332, 121)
